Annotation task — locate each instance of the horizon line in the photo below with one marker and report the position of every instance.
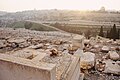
(57, 9)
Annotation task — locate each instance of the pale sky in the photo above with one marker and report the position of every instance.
(19, 5)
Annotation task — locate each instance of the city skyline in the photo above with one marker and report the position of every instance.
(21, 5)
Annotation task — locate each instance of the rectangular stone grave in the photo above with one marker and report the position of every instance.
(40, 67)
(15, 68)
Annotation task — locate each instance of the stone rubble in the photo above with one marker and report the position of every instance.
(105, 49)
(98, 55)
(87, 60)
(36, 46)
(107, 55)
(54, 52)
(113, 55)
(112, 67)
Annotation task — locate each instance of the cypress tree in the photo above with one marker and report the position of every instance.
(114, 33)
(28, 25)
(101, 32)
(107, 35)
(110, 34)
(118, 34)
(87, 34)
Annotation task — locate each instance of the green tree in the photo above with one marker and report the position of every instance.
(28, 25)
(110, 34)
(114, 33)
(101, 32)
(107, 35)
(118, 34)
(88, 34)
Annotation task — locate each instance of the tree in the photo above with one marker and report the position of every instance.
(118, 34)
(110, 34)
(28, 25)
(101, 32)
(87, 34)
(107, 35)
(114, 33)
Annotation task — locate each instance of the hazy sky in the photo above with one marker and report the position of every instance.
(19, 5)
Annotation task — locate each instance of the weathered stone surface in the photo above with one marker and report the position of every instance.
(78, 41)
(113, 55)
(100, 66)
(81, 76)
(47, 44)
(87, 60)
(39, 57)
(96, 46)
(52, 46)
(112, 48)
(107, 56)
(65, 52)
(79, 52)
(14, 45)
(73, 71)
(57, 42)
(105, 48)
(25, 53)
(36, 46)
(67, 66)
(86, 41)
(2, 43)
(72, 47)
(92, 41)
(117, 48)
(24, 44)
(109, 41)
(115, 43)
(54, 52)
(23, 69)
(78, 37)
(16, 40)
(112, 67)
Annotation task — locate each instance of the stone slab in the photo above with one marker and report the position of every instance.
(15, 68)
(73, 71)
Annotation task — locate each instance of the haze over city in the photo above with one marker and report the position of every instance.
(20, 5)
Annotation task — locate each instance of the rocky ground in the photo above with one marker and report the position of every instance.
(105, 64)
(100, 57)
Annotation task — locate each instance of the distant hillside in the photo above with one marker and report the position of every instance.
(19, 24)
(2, 13)
(63, 15)
(33, 26)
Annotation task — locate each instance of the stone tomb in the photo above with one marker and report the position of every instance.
(28, 64)
(78, 41)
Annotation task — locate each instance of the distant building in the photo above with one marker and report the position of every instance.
(102, 9)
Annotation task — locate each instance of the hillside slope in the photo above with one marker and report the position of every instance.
(34, 26)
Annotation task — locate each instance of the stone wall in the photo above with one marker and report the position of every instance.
(12, 68)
